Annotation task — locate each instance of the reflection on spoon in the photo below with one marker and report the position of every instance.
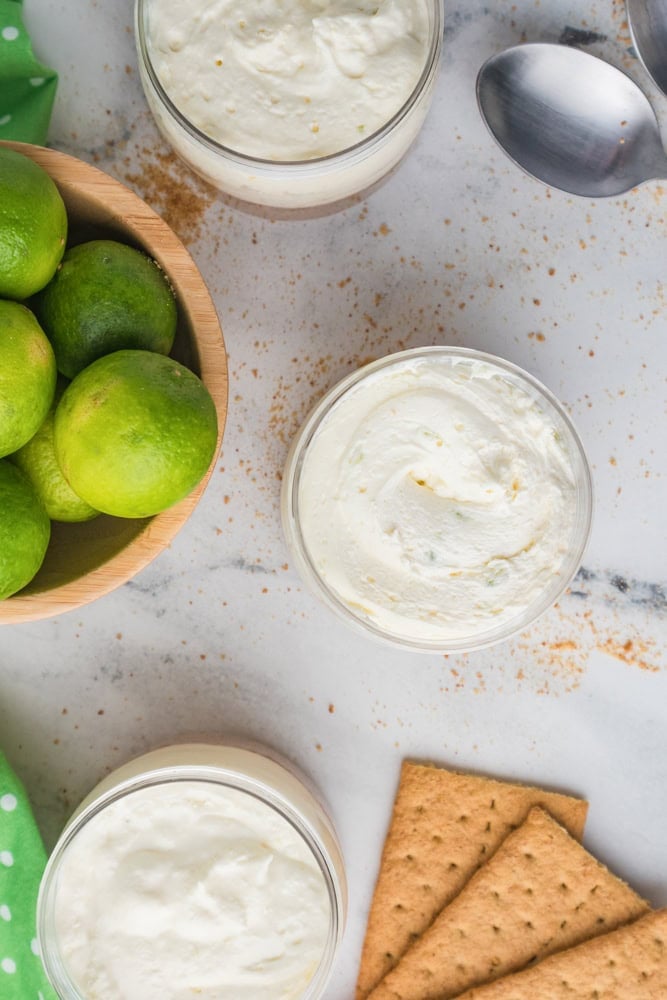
(571, 120)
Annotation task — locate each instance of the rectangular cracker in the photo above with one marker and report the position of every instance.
(628, 964)
(444, 826)
(541, 892)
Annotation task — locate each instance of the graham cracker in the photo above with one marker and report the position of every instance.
(628, 964)
(444, 826)
(541, 892)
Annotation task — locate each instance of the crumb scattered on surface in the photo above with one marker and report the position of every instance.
(172, 189)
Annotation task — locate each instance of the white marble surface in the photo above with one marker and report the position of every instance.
(218, 634)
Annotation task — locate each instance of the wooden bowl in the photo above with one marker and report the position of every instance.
(85, 561)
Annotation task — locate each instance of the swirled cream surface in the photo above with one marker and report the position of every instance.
(288, 79)
(438, 499)
(190, 889)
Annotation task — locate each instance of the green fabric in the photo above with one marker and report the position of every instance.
(22, 860)
(27, 87)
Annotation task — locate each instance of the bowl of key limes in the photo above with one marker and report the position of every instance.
(113, 383)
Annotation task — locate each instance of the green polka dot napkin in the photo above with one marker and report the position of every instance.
(22, 861)
(27, 88)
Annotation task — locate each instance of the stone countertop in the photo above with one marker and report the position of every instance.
(218, 635)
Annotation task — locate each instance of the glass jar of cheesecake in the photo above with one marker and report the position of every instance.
(196, 869)
(290, 105)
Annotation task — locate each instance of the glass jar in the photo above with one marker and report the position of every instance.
(291, 184)
(324, 552)
(261, 777)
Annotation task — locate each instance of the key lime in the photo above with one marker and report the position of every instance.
(27, 376)
(106, 297)
(25, 530)
(38, 461)
(33, 226)
(134, 433)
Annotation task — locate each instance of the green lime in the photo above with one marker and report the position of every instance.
(106, 297)
(134, 433)
(27, 376)
(25, 530)
(38, 461)
(33, 226)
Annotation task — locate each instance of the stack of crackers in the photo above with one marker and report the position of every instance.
(486, 893)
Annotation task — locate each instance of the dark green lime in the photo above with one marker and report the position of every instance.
(105, 297)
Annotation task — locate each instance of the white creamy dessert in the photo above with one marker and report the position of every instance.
(224, 886)
(288, 79)
(269, 96)
(439, 498)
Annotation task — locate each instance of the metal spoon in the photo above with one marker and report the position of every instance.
(648, 27)
(571, 120)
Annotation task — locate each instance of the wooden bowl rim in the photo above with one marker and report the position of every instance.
(127, 208)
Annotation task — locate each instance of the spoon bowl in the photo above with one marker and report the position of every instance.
(570, 119)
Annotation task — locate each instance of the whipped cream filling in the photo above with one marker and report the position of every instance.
(191, 889)
(438, 499)
(288, 79)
